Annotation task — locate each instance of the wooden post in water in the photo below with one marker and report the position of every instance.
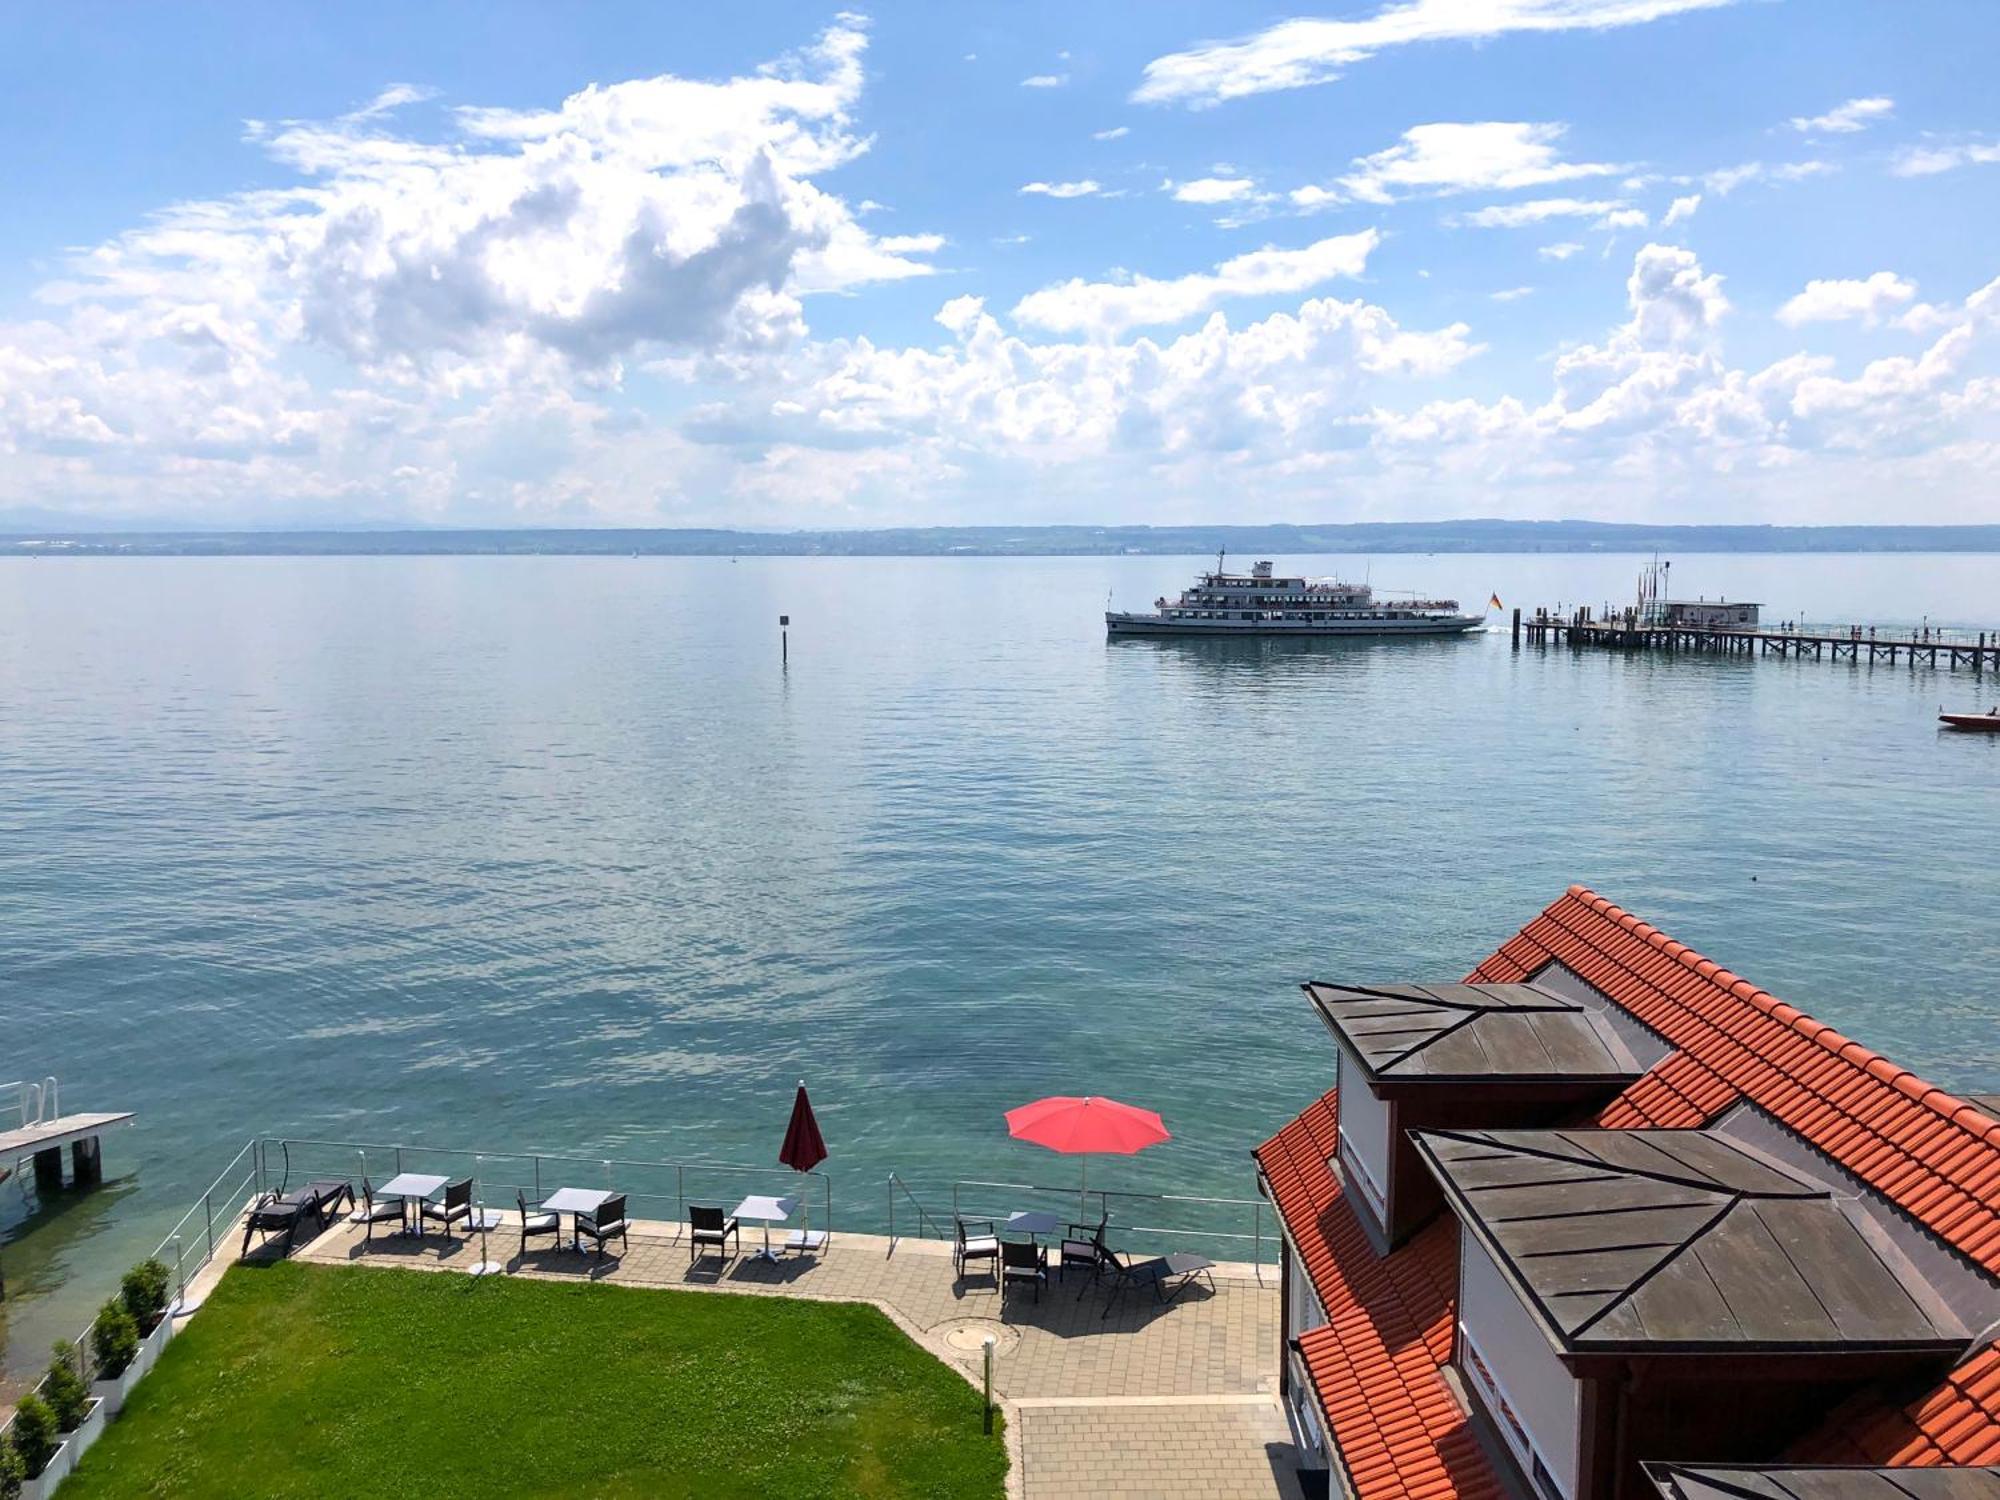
(784, 641)
(1517, 628)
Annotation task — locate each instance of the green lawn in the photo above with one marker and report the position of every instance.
(308, 1380)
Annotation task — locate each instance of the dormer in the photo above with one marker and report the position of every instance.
(1740, 1482)
(1630, 1294)
(1444, 1056)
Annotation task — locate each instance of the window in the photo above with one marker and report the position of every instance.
(1504, 1416)
(1356, 1171)
(1535, 1401)
(1366, 1138)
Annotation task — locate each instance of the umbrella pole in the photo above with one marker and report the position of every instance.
(1083, 1192)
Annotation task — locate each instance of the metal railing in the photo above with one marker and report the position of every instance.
(222, 1204)
(36, 1103)
(926, 1225)
(282, 1160)
(232, 1191)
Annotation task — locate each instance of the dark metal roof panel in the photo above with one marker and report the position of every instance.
(1682, 1239)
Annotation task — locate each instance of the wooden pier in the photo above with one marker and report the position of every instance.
(1857, 644)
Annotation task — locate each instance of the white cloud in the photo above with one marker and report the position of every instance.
(1486, 156)
(1109, 308)
(1845, 119)
(1725, 180)
(1212, 189)
(658, 212)
(337, 340)
(390, 99)
(1680, 210)
(1927, 161)
(1512, 294)
(1115, 133)
(1090, 411)
(1045, 81)
(1622, 218)
(1871, 302)
(1538, 211)
(599, 312)
(1298, 53)
(1083, 189)
(1561, 251)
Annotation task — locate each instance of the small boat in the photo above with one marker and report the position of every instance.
(1988, 721)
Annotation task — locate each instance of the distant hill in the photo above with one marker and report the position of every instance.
(1019, 541)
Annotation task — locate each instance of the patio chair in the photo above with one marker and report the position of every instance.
(456, 1207)
(711, 1228)
(1023, 1261)
(1155, 1273)
(608, 1223)
(1082, 1246)
(324, 1194)
(976, 1240)
(533, 1224)
(373, 1213)
(272, 1214)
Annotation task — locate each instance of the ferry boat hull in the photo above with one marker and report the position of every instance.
(1116, 623)
(1264, 603)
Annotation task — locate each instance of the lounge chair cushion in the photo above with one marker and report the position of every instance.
(982, 1245)
(380, 1212)
(604, 1231)
(541, 1223)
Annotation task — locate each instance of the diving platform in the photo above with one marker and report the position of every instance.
(42, 1132)
(53, 1135)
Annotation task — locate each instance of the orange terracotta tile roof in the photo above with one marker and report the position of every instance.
(1956, 1424)
(1376, 1364)
(1931, 1154)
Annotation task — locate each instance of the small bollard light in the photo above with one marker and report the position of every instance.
(487, 1266)
(988, 1347)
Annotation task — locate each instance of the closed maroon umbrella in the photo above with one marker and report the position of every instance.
(804, 1147)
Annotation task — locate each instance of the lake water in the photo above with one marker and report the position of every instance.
(552, 852)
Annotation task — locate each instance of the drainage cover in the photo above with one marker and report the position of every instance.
(969, 1336)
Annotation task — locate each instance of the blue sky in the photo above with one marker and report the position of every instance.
(1625, 259)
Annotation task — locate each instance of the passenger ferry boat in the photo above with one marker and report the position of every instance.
(1257, 603)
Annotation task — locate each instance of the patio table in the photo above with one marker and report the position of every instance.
(412, 1187)
(574, 1201)
(1033, 1224)
(770, 1210)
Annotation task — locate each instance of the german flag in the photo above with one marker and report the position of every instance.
(1494, 603)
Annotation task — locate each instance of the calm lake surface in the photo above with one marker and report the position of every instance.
(551, 852)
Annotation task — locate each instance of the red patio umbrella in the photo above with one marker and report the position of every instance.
(804, 1147)
(1077, 1127)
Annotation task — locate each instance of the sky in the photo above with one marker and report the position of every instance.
(772, 266)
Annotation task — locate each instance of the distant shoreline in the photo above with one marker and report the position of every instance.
(1472, 536)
